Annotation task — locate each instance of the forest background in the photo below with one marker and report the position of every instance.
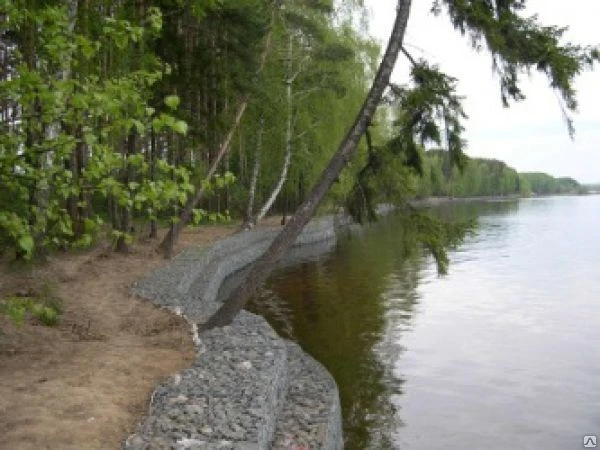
(121, 116)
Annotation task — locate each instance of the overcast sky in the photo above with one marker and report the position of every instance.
(530, 135)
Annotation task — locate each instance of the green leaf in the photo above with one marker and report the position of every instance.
(182, 197)
(198, 216)
(89, 225)
(90, 138)
(15, 309)
(136, 160)
(48, 316)
(65, 227)
(26, 243)
(180, 127)
(155, 18)
(139, 126)
(157, 124)
(172, 101)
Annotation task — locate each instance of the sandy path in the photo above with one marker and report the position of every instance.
(86, 383)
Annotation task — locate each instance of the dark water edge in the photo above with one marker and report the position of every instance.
(370, 311)
(332, 305)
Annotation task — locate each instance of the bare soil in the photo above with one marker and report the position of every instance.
(86, 383)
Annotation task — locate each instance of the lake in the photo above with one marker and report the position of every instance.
(501, 353)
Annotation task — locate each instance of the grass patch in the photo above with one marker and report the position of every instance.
(42, 306)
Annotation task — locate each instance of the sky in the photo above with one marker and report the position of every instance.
(530, 135)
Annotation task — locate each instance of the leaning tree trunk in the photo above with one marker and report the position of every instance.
(265, 264)
(289, 81)
(249, 221)
(282, 178)
(186, 213)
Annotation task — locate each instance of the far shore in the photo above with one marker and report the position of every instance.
(436, 201)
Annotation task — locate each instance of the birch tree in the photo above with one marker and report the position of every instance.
(516, 44)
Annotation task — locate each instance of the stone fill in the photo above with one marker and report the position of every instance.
(248, 389)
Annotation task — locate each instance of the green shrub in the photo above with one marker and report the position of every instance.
(43, 307)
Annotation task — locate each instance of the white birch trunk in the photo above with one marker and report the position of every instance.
(249, 222)
(288, 136)
(264, 265)
(186, 214)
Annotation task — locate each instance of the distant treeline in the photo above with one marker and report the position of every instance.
(486, 177)
(544, 184)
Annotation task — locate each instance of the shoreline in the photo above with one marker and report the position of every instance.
(294, 401)
(437, 201)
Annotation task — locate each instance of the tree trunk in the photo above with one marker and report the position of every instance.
(282, 178)
(83, 202)
(249, 223)
(186, 213)
(153, 157)
(125, 225)
(72, 162)
(289, 81)
(265, 264)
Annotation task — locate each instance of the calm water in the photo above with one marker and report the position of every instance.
(502, 353)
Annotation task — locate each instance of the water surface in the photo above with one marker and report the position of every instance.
(502, 353)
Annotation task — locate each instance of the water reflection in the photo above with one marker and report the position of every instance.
(498, 354)
(346, 309)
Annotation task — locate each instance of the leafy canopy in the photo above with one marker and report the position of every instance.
(519, 44)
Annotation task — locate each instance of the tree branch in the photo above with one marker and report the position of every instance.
(412, 60)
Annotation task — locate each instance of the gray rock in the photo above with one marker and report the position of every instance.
(212, 399)
(248, 389)
(311, 415)
(190, 283)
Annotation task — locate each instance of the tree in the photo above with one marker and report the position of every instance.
(539, 183)
(75, 124)
(187, 211)
(313, 58)
(111, 111)
(516, 44)
(286, 238)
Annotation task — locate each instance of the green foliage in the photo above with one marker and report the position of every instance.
(202, 217)
(429, 111)
(65, 149)
(42, 306)
(113, 115)
(172, 101)
(15, 308)
(543, 184)
(485, 178)
(480, 177)
(331, 67)
(438, 236)
(18, 308)
(519, 44)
